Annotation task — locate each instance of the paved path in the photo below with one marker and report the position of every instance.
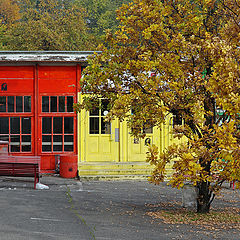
(71, 209)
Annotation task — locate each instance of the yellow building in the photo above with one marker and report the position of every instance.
(109, 151)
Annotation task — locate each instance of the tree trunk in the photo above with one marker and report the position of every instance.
(204, 196)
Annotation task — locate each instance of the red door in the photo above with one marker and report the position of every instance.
(17, 112)
(57, 122)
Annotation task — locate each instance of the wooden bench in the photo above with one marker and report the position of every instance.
(20, 166)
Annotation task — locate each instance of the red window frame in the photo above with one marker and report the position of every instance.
(20, 115)
(57, 114)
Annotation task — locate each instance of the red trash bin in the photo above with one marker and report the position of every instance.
(68, 166)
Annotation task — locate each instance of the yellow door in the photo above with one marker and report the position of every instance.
(137, 147)
(99, 139)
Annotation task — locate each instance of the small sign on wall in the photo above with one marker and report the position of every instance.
(4, 87)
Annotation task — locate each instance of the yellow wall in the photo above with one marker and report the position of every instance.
(105, 148)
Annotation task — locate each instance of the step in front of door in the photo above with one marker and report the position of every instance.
(115, 171)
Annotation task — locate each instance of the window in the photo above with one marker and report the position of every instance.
(18, 104)
(57, 104)
(177, 118)
(17, 131)
(97, 123)
(57, 134)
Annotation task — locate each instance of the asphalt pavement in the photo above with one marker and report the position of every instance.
(101, 210)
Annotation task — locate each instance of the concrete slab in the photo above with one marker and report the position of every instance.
(102, 210)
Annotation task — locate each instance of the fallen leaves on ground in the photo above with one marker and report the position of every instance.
(217, 219)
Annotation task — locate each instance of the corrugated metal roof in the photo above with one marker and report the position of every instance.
(44, 56)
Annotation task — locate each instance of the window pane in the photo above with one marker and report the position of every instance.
(15, 143)
(26, 125)
(19, 104)
(57, 125)
(26, 143)
(14, 125)
(4, 125)
(94, 112)
(177, 120)
(53, 104)
(94, 125)
(61, 106)
(46, 143)
(69, 104)
(47, 125)
(68, 125)
(104, 106)
(57, 143)
(4, 138)
(68, 143)
(105, 127)
(11, 104)
(45, 104)
(2, 104)
(148, 130)
(27, 103)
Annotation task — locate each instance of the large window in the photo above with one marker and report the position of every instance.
(57, 104)
(97, 123)
(16, 122)
(15, 104)
(57, 124)
(57, 134)
(17, 131)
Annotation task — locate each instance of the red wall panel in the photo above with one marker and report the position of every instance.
(57, 79)
(19, 79)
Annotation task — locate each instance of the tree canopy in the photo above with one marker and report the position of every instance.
(101, 15)
(182, 58)
(56, 25)
(49, 25)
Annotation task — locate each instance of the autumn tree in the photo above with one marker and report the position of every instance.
(50, 25)
(9, 13)
(101, 15)
(177, 57)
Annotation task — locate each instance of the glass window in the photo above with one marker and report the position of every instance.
(68, 125)
(94, 125)
(15, 143)
(4, 138)
(4, 125)
(19, 104)
(53, 106)
(26, 125)
(45, 104)
(57, 125)
(68, 143)
(177, 120)
(27, 103)
(57, 143)
(26, 143)
(61, 104)
(46, 125)
(11, 103)
(15, 125)
(69, 104)
(104, 106)
(148, 130)
(94, 112)
(46, 143)
(2, 104)
(105, 127)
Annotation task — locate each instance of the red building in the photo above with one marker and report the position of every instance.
(37, 92)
